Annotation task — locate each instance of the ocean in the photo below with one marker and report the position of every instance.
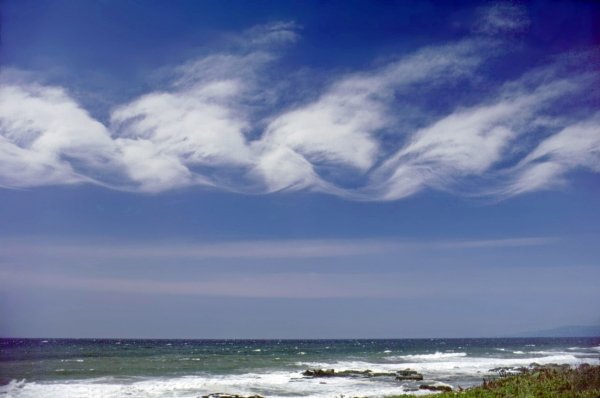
(70, 368)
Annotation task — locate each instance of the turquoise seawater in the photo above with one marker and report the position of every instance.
(271, 368)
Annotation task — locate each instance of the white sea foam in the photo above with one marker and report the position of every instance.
(437, 356)
(275, 385)
(576, 353)
(453, 367)
(550, 353)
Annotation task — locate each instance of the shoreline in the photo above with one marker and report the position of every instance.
(192, 369)
(556, 381)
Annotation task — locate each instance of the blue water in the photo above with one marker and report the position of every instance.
(272, 368)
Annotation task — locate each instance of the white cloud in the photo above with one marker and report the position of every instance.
(221, 123)
(197, 125)
(282, 168)
(574, 147)
(274, 33)
(465, 143)
(152, 170)
(45, 137)
(502, 17)
(340, 127)
(335, 129)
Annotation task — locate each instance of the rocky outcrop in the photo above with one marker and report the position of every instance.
(504, 371)
(437, 386)
(319, 373)
(551, 366)
(364, 373)
(222, 395)
(408, 374)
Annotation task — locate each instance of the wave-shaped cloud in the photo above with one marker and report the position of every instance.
(377, 134)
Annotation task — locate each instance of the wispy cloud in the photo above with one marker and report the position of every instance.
(252, 249)
(340, 128)
(369, 135)
(469, 142)
(575, 147)
(502, 17)
(414, 284)
(297, 285)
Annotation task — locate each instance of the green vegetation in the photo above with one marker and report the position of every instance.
(581, 382)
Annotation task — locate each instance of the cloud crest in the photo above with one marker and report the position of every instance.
(375, 134)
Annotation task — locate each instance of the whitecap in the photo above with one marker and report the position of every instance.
(273, 385)
(278, 384)
(429, 357)
(12, 385)
(456, 366)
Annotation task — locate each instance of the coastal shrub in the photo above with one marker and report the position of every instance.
(545, 382)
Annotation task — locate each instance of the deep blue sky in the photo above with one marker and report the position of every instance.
(298, 169)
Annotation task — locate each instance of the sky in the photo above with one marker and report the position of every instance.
(286, 169)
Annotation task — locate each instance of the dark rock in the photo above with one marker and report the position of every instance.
(521, 369)
(501, 369)
(410, 388)
(222, 395)
(319, 372)
(365, 373)
(551, 366)
(347, 373)
(556, 367)
(381, 374)
(435, 387)
(408, 374)
(504, 371)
